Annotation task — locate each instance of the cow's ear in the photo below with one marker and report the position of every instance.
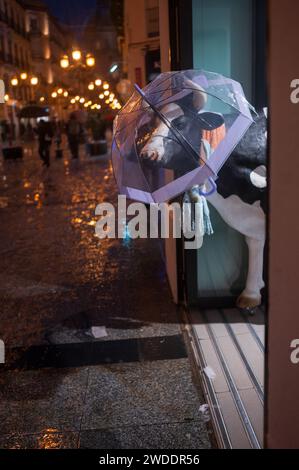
(209, 121)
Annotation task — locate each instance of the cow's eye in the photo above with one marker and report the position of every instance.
(179, 124)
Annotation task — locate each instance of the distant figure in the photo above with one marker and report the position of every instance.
(74, 131)
(29, 133)
(4, 130)
(22, 130)
(109, 135)
(45, 135)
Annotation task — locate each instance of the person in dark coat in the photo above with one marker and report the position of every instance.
(45, 135)
(74, 132)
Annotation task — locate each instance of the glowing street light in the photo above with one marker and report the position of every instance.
(42, 99)
(60, 91)
(76, 54)
(91, 86)
(82, 100)
(23, 76)
(73, 101)
(6, 98)
(77, 98)
(64, 62)
(14, 81)
(65, 94)
(34, 81)
(98, 82)
(90, 60)
(101, 96)
(106, 86)
(106, 93)
(54, 94)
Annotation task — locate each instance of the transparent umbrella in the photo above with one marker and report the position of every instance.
(176, 133)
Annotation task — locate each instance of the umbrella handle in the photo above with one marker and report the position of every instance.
(211, 191)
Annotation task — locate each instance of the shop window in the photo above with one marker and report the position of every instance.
(222, 39)
(223, 43)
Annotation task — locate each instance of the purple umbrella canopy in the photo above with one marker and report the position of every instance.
(176, 133)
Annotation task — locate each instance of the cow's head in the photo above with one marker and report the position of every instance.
(187, 116)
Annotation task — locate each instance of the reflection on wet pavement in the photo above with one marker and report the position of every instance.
(57, 282)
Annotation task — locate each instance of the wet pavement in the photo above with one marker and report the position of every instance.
(95, 357)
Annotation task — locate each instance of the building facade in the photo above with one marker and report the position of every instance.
(100, 36)
(49, 41)
(15, 58)
(141, 49)
(32, 43)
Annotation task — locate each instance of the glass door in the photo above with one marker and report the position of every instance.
(223, 42)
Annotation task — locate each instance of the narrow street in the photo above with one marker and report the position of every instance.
(95, 357)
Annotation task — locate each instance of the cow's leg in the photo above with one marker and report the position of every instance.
(251, 295)
(248, 219)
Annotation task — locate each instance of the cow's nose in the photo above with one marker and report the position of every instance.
(153, 155)
(144, 154)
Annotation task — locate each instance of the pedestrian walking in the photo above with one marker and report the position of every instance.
(45, 135)
(74, 131)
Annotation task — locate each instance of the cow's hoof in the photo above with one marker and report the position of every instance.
(248, 303)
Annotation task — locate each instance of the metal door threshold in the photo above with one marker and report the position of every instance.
(229, 350)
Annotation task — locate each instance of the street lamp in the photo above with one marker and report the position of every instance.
(76, 54)
(91, 86)
(98, 82)
(34, 81)
(90, 60)
(64, 62)
(23, 76)
(14, 81)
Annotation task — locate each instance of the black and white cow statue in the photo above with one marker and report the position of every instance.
(240, 198)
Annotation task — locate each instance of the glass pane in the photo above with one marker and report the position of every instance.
(222, 39)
